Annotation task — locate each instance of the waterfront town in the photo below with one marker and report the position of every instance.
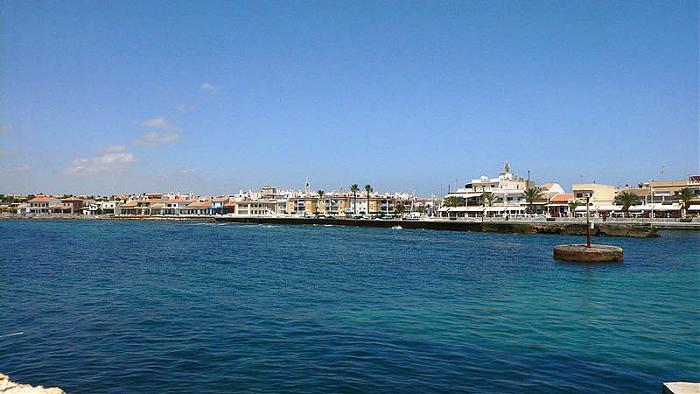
(505, 196)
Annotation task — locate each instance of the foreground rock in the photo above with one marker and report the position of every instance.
(681, 388)
(9, 387)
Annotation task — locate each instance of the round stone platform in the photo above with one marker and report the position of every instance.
(595, 254)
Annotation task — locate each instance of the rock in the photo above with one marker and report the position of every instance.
(628, 230)
(507, 227)
(681, 388)
(577, 229)
(9, 387)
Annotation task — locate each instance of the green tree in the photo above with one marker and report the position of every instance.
(399, 208)
(368, 190)
(354, 188)
(532, 194)
(573, 204)
(685, 196)
(627, 199)
(454, 201)
(488, 199)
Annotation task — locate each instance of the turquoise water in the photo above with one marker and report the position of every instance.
(108, 306)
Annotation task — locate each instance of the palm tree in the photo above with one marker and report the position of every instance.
(488, 199)
(320, 196)
(686, 195)
(532, 194)
(573, 204)
(627, 199)
(454, 201)
(354, 188)
(368, 189)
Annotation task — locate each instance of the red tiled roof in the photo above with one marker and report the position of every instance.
(201, 204)
(562, 197)
(41, 199)
(135, 203)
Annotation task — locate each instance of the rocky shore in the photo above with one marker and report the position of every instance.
(9, 387)
(638, 230)
(603, 229)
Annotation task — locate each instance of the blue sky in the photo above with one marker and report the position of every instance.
(213, 96)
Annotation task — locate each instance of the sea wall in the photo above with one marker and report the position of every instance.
(604, 229)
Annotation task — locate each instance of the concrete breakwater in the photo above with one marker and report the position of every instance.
(604, 229)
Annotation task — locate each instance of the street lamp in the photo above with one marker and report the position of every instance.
(588, 221)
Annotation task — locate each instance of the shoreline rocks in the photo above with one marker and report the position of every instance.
(9, 387)
(612, 230)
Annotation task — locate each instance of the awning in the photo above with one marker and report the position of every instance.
(656, 207)
(504, 209)
(466, 209)
(599, 208)
(694, 208)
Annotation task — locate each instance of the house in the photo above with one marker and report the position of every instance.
(175, 206)
(559, 205)
(134, 207)
(218, 205)
(255, 208)
(199, 208)
(99, 208)
(20, 208)
(73, 205)
(43, 204)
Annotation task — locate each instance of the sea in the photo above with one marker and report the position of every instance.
(107, 306)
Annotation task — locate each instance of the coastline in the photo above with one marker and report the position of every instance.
(613, 229)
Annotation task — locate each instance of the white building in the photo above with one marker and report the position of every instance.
(508, 188)
(42, 204)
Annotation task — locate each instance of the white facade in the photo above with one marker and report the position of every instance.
(506, 186)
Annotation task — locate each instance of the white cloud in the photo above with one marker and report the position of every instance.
(208, 87)
(23, 167)
(108, 162)
(114, 149)
(155, 138)
(184, 171)
(6, 128)
(158, 123)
